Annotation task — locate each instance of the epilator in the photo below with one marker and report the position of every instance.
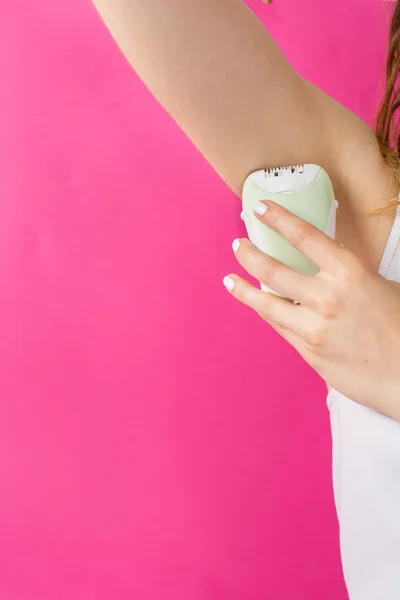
(304, 190)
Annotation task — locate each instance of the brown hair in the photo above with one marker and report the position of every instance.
(387, 129)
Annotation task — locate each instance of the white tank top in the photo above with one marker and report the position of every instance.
(366, 480)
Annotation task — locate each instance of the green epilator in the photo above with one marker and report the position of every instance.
(304, 190)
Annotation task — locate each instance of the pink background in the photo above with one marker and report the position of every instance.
(157, 440)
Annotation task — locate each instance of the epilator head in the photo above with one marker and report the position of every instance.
(304, 190)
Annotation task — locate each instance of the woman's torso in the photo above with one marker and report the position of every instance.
(366, 478)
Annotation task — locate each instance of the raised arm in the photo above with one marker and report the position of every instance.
(217, 71)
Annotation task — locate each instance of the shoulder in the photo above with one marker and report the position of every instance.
(348, 150)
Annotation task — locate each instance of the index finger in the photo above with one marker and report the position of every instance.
(318, 247)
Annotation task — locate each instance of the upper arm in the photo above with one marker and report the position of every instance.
(218, 72)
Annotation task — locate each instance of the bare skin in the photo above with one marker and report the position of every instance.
(217, 71)
(346, 323)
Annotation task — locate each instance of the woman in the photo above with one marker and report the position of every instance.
(217, 71)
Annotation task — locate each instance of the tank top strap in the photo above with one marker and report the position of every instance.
(391, 245)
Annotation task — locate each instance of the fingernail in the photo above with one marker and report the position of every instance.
(235, 245)
(228, 283)
(242, 215)
(260, 208)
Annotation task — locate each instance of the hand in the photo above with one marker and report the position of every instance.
(346, 324)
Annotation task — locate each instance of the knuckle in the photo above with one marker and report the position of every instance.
(268, 270)
(265, 307)
(328, 304)
(316, 335)
(350, 270)
(299, 235)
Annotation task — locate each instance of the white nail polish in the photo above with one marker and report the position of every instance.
(235, 245)
(260, 208)
(229, 283)
(242, 215)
